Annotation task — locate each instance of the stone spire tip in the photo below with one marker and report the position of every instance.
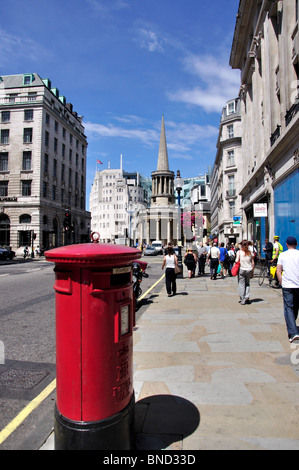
(163, 155)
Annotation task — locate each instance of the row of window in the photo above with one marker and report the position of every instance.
(63, 148)
(27, 136)
(121, 215)
(28, 115)
(27, 166)
(63, 175)
(56, 128)
(28, 132)
(25, 188)
(46, 165)
(65, 196)
(28, 139)
(47, 139)
(26, 161)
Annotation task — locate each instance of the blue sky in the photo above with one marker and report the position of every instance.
(124, 63)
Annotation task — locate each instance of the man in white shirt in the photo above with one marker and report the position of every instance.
(288, 263)
(214, 256)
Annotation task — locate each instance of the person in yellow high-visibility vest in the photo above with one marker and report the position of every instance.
(277, 249)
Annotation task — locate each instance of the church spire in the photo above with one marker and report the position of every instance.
(163, 156)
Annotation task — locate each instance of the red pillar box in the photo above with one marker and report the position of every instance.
(94, 346)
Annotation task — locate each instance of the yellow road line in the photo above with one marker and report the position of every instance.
(15, 423)
(143, 295)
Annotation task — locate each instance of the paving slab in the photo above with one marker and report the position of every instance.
(230, 365)
(212, 374)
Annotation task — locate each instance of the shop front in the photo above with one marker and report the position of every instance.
(286, 207)
(258, 223)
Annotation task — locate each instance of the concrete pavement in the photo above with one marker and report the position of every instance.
(210, 373)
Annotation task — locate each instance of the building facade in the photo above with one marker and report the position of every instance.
(200, 196)
(116, 200)
(42, 166)
(266, 50)
(227, 177)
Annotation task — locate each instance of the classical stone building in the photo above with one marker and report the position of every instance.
(226, 181)
(116, 198)
(160, 220)
(266, 50)
(42, 165)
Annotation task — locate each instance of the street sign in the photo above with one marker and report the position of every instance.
(237, 220)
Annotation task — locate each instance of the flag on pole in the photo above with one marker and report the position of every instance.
(98, 161)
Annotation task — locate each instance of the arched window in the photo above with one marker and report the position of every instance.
(4, 230)
(25, 219)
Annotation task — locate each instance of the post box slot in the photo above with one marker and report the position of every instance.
(120, 279)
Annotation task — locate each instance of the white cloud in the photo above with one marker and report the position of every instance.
(150, 40)
(181, 137)
(147, 136)
(218, 83)
(12, 47)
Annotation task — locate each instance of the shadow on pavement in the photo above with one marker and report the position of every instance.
(161, 420)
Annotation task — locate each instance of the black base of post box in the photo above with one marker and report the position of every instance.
(114, 433)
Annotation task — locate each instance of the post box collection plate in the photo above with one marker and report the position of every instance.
(124, 320)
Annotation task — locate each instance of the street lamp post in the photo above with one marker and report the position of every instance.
(130, 212)
(178, 184)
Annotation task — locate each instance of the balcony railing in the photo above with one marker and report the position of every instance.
(275, 135)
(291, 112)
(20, 99)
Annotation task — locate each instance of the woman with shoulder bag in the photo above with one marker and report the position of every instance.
(245, 258)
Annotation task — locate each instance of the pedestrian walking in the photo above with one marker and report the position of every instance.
(202, 257)
(170, 262)
(190, 262)
(245, 257)
(288, 276)
(268, 249)
(214, 256)
(223, 252)
(231, 259)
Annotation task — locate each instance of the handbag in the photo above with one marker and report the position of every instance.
(177, 269)
(235, 268)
